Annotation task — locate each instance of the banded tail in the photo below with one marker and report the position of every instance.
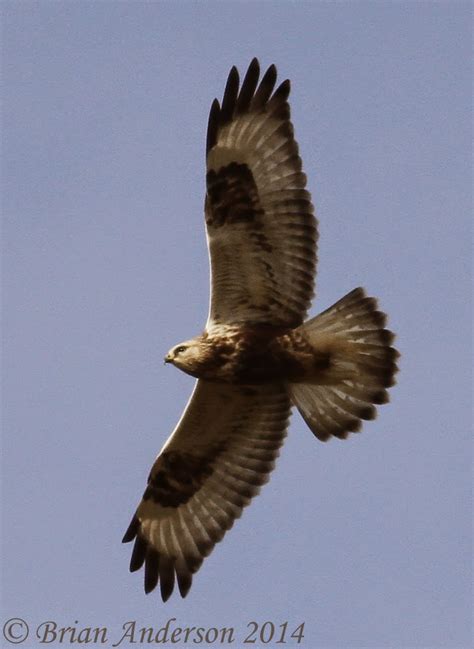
(361, 367)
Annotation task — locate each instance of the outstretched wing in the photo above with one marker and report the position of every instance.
(259, 217)
(221, 451)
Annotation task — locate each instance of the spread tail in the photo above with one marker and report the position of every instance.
(361, 365)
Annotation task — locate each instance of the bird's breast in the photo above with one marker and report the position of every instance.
(253, 357)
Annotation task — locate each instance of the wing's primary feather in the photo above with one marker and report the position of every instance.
(259, 216)
(219, 455)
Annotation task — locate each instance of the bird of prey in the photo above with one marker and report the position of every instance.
(258, 355)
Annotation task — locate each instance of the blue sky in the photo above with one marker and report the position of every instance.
(367, 541)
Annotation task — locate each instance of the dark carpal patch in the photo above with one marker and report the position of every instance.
(232, 196)
(177, 477)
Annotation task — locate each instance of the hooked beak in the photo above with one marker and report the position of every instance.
(167, 359)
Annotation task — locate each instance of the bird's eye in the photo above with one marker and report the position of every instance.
(180, 349)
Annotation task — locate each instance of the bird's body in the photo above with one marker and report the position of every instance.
(258, 355)
(250, 356)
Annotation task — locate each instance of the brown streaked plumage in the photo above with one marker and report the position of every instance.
(257, 356)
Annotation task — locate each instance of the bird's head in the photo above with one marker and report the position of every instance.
(187, 356)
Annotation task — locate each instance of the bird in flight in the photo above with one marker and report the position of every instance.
(258, 355)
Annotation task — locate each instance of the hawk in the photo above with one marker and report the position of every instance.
(258, 355)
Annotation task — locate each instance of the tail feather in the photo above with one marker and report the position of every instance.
(361, 366)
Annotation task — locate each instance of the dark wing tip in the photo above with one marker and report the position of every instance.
(230, 96)
(184, 576)
(250, 97)
(132, 530)
(271, 72)
(165, 590)
(265, 88)
(166, 577)
(184, 583)
(158, 568)
(213, 125)
(138, 554)
(249, 86)
(152, 566)
(282, 93)
(278, 104)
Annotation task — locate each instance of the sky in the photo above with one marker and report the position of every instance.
(105, 267)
